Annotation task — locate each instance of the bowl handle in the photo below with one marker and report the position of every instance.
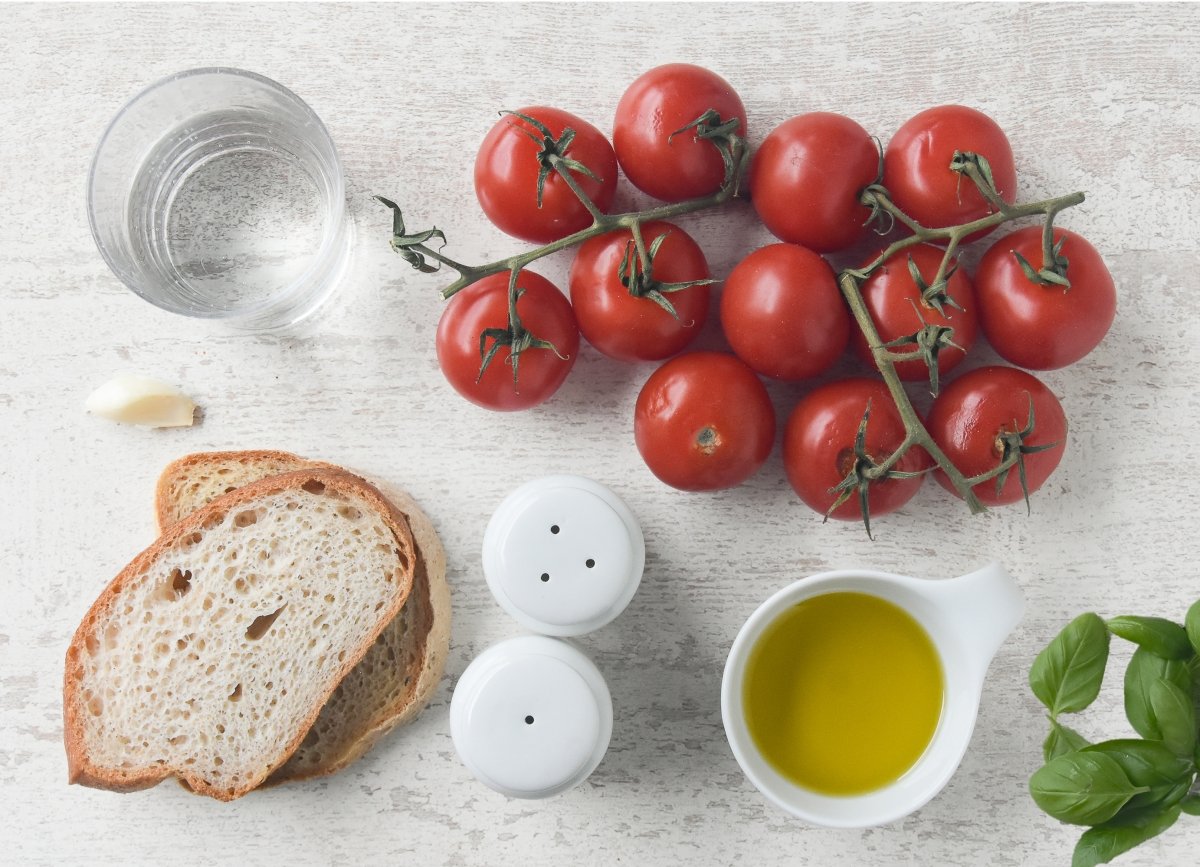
(985, 606)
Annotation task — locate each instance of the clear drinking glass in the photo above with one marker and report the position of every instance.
(218, 193)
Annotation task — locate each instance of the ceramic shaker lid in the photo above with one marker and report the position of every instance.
(563, 555)
(531, 717)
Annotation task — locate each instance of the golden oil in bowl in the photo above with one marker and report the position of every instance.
(843, 693)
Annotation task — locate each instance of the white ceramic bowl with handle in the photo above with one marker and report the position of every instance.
(967, 619)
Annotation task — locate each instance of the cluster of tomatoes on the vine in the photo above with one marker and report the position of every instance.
(641, 292)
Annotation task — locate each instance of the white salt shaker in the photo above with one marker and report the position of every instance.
(563, 555)
(531, 717)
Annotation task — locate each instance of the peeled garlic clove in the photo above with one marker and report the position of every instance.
(134, 399)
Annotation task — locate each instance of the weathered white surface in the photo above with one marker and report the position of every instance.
(1099, 98)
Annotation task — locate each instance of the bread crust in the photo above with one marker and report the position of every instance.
(81, 769)
(181, 468)
(430, 598)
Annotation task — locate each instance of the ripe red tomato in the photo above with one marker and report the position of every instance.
(544, 312)
(507, 168)
(1039, 326)
(633, 327)
(818, 448)
(917, 173)
(806, 177)
(703, 422)
(783, 314)
(660, 102)
(894, 302)
(972, 419)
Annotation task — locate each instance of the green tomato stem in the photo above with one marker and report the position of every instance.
(988, 191)
(640, 243)
(464, 270)
(917, 435)
(601, 224)
(565, 173)
(944, 266)
(850, 280)
(1048, 257)
(513, 318)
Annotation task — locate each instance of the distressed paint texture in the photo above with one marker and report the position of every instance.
(1100, 98)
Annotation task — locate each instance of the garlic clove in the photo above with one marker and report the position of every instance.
(142, 400)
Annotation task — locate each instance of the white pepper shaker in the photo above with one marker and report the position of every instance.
(531, 717)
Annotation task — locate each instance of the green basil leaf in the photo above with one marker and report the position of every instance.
(1100, 845)
(1191, 805)
(1191, 625)
(1083, 788)
(1194, 669)
(1175, 716)
(1166, 798)
(1061, 740)
(1160, 636)
(1143, 671)
(1066, 676)
(1145, 763)
(1158, 798)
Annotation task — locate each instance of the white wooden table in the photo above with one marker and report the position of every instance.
(1098, 98)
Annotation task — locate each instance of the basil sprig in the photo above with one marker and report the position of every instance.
(1066, 676)
(1128, 790)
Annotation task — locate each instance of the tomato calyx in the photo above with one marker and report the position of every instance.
(936, 294)
(552, 153)
(411, 247)
(711, 127)
(1012, 448)
(883, 214)
(1052, 274)
(870, 196)
(929, 340)
(636, 273)
(864, 471)
(518, 338)
(979, 170)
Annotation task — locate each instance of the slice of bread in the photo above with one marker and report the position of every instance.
(212, 653)
(399, 674)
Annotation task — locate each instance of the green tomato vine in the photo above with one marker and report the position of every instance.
(416, 249)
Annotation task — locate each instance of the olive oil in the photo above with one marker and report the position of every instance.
(843, 693)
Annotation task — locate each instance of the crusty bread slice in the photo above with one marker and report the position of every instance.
(399, 674)
(196, 480)
(210, 656)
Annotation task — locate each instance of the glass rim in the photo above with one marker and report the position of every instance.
(329, 242)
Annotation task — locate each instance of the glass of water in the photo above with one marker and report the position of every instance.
(218, 193)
